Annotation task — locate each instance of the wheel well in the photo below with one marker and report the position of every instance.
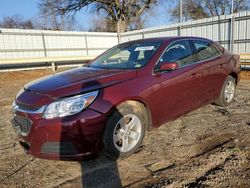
(140, 106)
(235, 76)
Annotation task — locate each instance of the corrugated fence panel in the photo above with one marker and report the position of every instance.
(215, 28)
(17, 43)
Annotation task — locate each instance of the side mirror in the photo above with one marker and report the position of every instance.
(166, 66)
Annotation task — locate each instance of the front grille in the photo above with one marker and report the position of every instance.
(24, 123)
(27, 107)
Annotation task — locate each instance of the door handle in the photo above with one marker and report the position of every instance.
(221, 66)
(195, 74)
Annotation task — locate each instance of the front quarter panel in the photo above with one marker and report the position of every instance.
(109, 98)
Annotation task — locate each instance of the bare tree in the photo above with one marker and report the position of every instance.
(17, 22)
(53, 20)
(122, 13)
(221, 7)
(195, 9)
(192, 9)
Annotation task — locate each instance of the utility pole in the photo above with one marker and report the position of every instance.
(118, 26)
(232, 8)
(180, 18)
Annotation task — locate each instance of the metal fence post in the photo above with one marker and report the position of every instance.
(232, 27)
(86, 44)
(142, 35)
(232, 33)
(5, 54)
(179, 30)
(44, 46)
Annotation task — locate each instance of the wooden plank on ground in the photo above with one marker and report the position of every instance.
(245, 56)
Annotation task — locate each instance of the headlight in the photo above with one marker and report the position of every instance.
(69, 106)
(14, 103)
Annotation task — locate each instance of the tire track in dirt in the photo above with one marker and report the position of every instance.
(211, 149)
(17, 170)
(170, 178)
(212, 168)
(6, 146)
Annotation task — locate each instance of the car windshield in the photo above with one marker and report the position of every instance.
(126, 56)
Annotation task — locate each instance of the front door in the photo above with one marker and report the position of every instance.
(174, 93)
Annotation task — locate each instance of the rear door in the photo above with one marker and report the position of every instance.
(212, 72)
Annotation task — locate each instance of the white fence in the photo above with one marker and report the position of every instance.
(215, 28)
(18, 43)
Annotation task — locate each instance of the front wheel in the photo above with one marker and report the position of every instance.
(227, 93)
(125, 131)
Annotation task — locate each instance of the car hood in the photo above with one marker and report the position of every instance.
(79, 80)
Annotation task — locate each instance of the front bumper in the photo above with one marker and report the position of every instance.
(75, 137)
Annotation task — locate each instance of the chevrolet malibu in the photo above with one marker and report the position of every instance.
(130, 89)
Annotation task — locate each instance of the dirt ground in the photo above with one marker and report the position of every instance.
(209, 147)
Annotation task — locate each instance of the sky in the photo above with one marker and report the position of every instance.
(29, 9)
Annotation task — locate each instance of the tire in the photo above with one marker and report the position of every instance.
(227, 92)
(125, 130)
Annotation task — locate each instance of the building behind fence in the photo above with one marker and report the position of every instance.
(19, 44)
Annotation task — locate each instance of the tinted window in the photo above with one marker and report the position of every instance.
(205, 50)
(179, 52)
(126, 56)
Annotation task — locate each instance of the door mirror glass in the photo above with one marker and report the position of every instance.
(168, 66)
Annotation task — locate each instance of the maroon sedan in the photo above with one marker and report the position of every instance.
(131, 88)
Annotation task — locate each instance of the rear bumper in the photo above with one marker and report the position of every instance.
(76, 137)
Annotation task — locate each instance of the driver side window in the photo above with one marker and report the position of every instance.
(179, 52)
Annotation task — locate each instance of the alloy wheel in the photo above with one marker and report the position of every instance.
(127, 133)
(229, 91)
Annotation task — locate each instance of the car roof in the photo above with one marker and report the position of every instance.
(164, 39)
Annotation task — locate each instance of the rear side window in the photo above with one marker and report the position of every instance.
(205, 50)
(179, 52)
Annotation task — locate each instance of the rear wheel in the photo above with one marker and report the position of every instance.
(125, 130)
(227, 93)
